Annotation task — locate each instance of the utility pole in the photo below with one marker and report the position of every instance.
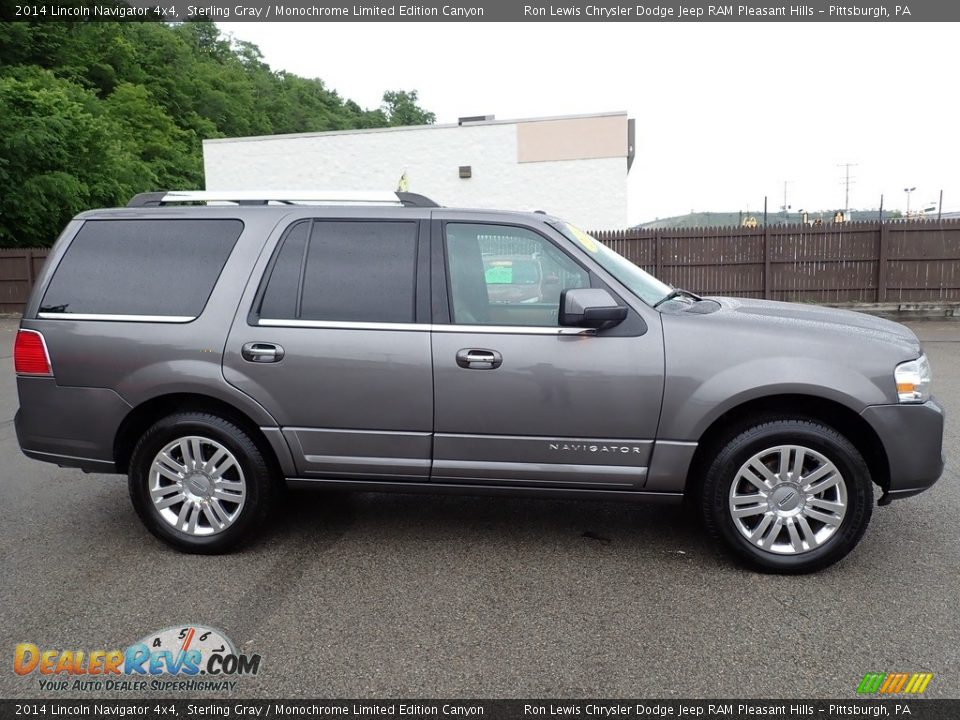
(785, 208)
(909, 191)
(847, 182)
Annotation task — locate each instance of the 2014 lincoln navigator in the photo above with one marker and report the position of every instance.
(213, 346)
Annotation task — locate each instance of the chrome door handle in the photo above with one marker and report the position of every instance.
(261, 352)
(479, 359)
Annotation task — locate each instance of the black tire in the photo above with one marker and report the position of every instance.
(715, 500)
(254, 473)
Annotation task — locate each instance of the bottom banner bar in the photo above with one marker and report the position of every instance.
(915, 709)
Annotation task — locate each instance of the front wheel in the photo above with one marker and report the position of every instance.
(788, 495)
(199, 482)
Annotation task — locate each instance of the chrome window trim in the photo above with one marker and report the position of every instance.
(426, 327)
(341, 324)
(513, 330)
(117, 318)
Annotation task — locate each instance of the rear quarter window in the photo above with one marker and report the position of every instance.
(158, 267)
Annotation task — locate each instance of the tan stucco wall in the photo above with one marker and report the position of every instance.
(572, 139)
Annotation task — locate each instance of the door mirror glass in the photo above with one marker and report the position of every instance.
(590, 307)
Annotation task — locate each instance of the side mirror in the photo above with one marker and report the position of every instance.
(590, 307)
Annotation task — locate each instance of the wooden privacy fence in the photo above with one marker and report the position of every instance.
(895, 262)
(19, 268)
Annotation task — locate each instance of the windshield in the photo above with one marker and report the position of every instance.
(644, 285)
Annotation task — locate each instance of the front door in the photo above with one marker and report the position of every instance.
(519, 399)
(337, 349)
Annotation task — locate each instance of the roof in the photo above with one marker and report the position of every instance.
(407, 128)
(260, 200)
(325, 210)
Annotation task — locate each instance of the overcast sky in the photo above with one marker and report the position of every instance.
(725, 113)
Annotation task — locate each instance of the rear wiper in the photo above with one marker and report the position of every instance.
(678, 292)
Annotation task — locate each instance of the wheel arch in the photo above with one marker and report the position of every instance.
(141, 417)
(829, 412)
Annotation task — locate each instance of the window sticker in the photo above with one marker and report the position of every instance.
(588, 243)
(499, 274)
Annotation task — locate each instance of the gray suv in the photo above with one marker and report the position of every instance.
(217, 346)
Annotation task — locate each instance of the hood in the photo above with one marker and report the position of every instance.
(819, 319)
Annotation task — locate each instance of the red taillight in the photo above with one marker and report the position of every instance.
(30, 354)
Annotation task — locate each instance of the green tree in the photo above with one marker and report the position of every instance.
(400, 108)
(152, 135)
(60, 155)
(91, 113)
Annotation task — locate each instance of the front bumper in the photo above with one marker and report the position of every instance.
(912, 436)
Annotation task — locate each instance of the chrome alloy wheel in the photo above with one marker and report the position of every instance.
(788, 499)
(197, 485)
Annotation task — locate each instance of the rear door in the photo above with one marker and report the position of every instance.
(519, 399)
(335, 344)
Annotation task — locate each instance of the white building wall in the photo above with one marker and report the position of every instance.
(591, 193)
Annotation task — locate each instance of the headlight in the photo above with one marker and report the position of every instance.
(913, 380)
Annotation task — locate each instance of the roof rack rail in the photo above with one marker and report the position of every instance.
(286, 197)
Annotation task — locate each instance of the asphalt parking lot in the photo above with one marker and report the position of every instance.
(369, 595)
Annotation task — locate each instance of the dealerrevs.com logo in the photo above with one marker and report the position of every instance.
(179, 658)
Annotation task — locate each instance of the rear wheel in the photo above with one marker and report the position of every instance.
(788, 495)
(199, 482)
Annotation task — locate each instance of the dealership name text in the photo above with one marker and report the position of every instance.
(684, 12)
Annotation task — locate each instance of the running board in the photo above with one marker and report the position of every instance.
(436, 488)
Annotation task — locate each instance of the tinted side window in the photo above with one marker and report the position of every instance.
(503, 275)
(141, 267)
(280, 295)
(354, 272)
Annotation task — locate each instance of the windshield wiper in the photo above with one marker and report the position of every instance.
(675, 293)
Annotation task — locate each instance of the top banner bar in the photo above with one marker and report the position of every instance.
(486, 11)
